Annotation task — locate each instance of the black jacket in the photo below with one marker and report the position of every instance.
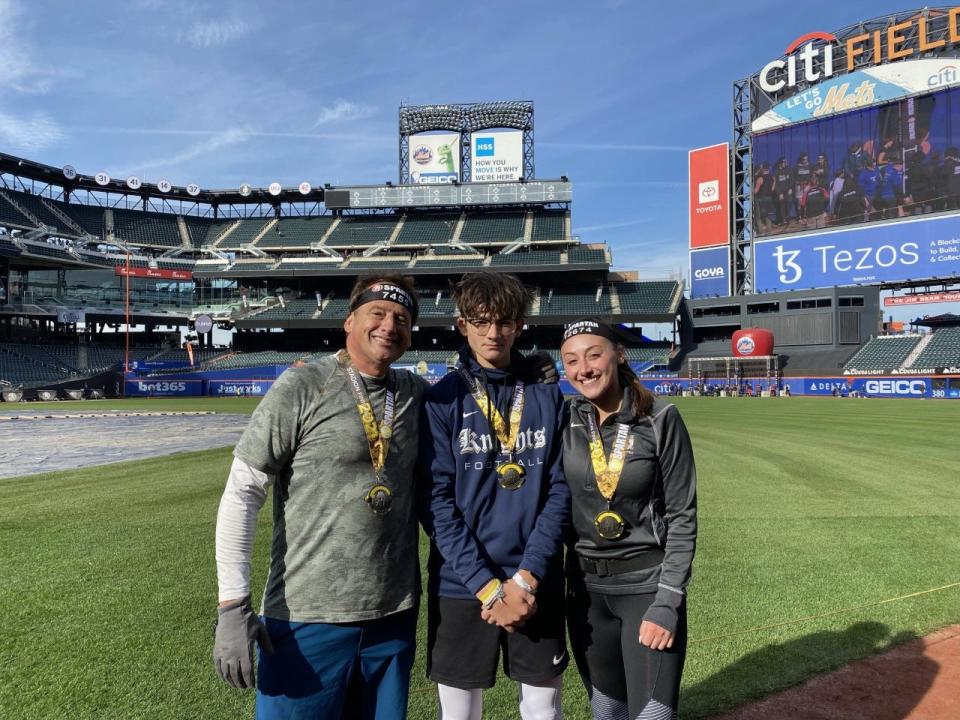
(656, 497)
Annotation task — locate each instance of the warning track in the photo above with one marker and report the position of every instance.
(40, 443)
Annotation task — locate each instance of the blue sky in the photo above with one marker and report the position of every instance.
(220, 94)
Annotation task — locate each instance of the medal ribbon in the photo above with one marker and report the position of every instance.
(607, 470)
(506, 434)
(378, 433)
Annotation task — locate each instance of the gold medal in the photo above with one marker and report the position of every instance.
(609, 525)
(511, 475)
(379, 499)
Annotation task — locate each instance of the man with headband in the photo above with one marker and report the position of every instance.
(337, 441)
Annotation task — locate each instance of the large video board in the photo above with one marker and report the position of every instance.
(882, 163)
(435, 158)
(497, 156)
(914, 249)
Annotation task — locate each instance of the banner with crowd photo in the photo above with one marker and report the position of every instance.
(880, 163)
(434, 158)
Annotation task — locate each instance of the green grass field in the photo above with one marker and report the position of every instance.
(808, 507)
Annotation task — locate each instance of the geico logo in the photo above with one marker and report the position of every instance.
(714, 272)
(896, 387)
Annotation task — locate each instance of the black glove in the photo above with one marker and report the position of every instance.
(541, 368)
(238, 627)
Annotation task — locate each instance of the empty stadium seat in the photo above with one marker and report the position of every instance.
(362, 230)
(493, 227)
(883, 353)
(942, 350)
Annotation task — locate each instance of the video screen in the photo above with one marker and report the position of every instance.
(881, 163)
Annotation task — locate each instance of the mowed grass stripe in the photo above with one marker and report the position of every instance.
(806, 506)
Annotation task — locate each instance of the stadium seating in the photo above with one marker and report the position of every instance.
(256, 264)
(578, 301)
(33, 204)
(361, 230)
(882, 353)
(136, 227)
(47, 250)
(430, 356)
(493, 227)
(527, 257)
(583, 255)
(296, 232)
(655, 296)
(655, 355)
(244, 234)
(942, 350)
(453, 262)
(9, 215)
(89, 217)
(427, 229)
(431, 307)
(451, 250)
(549, 225)
(256, 359)
(205, 231)
(303, 309)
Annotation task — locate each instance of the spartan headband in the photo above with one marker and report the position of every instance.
(590, 327)
(386, 291)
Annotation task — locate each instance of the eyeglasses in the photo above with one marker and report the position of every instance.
(482, 326)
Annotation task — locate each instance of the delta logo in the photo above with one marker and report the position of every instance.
(422, 155)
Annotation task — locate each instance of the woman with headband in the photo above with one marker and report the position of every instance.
(629, 465)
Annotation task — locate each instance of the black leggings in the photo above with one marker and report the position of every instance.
(625, 680)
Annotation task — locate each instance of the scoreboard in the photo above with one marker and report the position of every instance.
(446, 195)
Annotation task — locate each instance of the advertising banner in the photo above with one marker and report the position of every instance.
(70, 316)
(710, 272)
(239, 388)
(497, 156)
(921, 298)
(709, 174)
(861, 89)
(435, 158)
(159, 273)
(163, 388)
(892, 252)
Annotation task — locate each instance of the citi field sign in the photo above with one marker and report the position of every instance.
(889, 65)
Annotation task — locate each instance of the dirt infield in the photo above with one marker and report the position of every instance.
(919, 680)
(35, 443)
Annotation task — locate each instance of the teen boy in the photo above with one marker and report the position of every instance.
(496, 506)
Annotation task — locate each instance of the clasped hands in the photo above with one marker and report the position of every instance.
(513, 610)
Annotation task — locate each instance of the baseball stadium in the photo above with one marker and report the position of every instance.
(141, 323)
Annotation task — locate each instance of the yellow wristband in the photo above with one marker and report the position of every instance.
(489, 592)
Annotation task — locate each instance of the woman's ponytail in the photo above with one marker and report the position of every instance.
(642, 398)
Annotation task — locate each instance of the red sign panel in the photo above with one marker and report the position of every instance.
(709, 196)
(158, 273)
(922, 298)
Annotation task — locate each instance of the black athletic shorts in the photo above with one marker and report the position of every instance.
(617, 670)
(463, 650)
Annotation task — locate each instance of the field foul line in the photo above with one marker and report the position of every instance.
(808, 618)
(7, 418)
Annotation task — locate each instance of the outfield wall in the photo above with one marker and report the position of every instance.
(257, 381)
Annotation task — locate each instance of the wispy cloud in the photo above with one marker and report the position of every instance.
(610, 226)
(213, 33)
(32, 132)
(342, 110)
(19, 70)
(212, 144)
(624, 147)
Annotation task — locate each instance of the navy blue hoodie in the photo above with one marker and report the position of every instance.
(477, 529)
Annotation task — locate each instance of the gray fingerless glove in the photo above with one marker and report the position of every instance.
(238, 627)
(665, 609)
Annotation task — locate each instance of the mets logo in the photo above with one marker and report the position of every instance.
(422, 155)
(746, 346)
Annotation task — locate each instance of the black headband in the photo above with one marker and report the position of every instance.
(386, 291)
(591, 327)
